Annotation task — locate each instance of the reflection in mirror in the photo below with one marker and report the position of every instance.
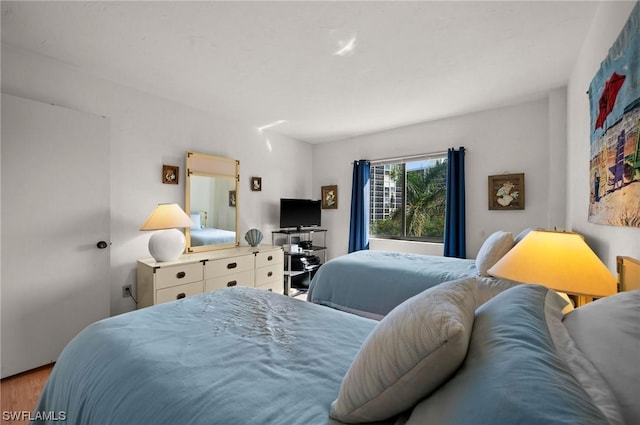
(211, 199)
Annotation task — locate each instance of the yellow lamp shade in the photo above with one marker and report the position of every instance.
(558, 260)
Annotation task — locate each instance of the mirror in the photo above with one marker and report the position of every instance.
(211, 198)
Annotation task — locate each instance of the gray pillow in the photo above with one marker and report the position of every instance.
(492, 250)
(415, 348)
(523, 234)
(490, 287)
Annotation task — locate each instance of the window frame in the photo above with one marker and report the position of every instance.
(402, 161)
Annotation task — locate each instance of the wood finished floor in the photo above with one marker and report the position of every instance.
(20, 393)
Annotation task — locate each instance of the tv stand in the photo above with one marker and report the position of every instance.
(296, 270)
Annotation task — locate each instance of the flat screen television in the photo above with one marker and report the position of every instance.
(299, 213)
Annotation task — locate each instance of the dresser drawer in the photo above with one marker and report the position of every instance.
(178, 292)
(244, 278)
(267, 274)
(178, 275)
(276, 286)
(215, 268)
(268, 258)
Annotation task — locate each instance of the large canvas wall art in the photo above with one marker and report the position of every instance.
(614, 97)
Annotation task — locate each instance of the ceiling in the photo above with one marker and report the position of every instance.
(315, 71)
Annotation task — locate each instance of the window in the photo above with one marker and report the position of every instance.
(408, 198)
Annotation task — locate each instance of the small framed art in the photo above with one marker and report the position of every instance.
(232, 198)
(170, 174)
(256, 184)
(506, 192)
(330, 197)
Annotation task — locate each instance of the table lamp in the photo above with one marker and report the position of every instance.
(558, 260)
(167, 243)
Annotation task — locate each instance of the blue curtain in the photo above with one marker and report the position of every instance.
(359, 227)
(454, 224)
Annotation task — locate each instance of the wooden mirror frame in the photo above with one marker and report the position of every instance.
(201, 165)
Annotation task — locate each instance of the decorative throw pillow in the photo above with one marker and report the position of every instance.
(492, 250)
(415, 348)
(513, 372)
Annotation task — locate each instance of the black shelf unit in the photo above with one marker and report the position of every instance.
(294, 280)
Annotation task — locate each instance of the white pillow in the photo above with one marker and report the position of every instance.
(197, 221)
(492, 250)
(415, 348)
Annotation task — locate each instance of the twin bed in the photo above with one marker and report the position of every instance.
(245, 356)
(212, 236)
(372, 283)
(202, 235)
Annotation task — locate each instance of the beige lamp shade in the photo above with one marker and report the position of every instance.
(167, 216)
(558, 260)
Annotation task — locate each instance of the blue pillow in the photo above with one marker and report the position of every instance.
(512, 373)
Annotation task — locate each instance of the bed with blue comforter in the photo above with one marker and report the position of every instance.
(211, 236)
(234, 356)
(242, 356)
(372, 283)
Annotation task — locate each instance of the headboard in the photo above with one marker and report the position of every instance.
(203, 219)
(628, 273)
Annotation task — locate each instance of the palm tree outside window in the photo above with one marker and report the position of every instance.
(408, 198)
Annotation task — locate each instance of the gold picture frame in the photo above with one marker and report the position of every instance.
(330, 197)
(170, 174)
(506, 192)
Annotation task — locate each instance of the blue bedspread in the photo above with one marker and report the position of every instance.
(372, 283)
(234, 356)
(211, 236)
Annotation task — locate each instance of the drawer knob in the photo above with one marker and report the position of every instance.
(232, 265)
(269, 274)
(180, 275)
(180, 295)
(232, 283)
(269, 258)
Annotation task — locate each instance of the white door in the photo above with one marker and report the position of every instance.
(55, 210)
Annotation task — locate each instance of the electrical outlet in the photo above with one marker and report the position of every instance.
(126, 291)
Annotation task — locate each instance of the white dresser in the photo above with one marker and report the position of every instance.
(260, 267)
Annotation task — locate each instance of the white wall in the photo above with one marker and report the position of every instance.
(527, 137)
(607, 241)
(147, 132)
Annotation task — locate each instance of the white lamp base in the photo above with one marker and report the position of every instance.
(166, 245)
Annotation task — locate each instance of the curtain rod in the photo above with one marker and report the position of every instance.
(408, 157)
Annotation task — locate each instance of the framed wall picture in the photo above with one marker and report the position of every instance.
(614, 160)
(330, 197)
(232, 198)
(506, 192)
(170, 174)
(256, 184)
